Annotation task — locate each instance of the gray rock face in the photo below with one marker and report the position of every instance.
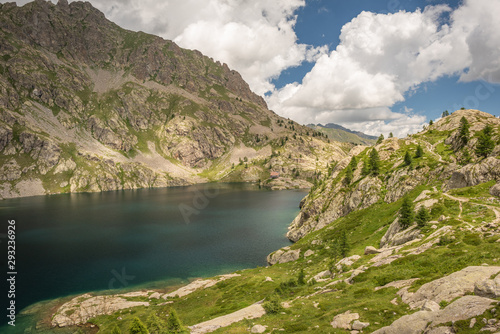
(424, 321)
(366, 193)
(471, 175)
(395, 235)
(489, 288)
(10, 171)
(449, 287)
(495, 190)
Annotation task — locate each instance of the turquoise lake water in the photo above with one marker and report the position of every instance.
(73, 243)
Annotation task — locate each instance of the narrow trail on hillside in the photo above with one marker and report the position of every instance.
(251, 312)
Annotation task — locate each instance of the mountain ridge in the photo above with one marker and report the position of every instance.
(339, 133)
(89, 106)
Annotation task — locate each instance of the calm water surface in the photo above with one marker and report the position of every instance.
(73, 243)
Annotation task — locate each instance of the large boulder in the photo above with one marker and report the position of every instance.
(474, 174)
(283, 256)
(424, 321)
(488, 288)
(396, 235)
(449, 287)
(344, 320)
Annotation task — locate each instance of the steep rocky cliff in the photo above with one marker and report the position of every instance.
(442, 160)
(88, 106)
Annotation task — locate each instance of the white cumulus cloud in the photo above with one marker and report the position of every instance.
(383, 57)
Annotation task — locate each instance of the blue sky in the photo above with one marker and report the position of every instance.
(320, 23)
(376, 66)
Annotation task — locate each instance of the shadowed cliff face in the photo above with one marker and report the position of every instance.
(88, 106)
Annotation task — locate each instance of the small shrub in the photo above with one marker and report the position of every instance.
(273, 305)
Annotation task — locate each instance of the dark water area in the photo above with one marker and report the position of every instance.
(74, 243)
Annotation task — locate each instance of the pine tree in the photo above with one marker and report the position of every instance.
(391, 135)
(374, 162)
(353, 163)
(406, 213)
(463, 132)
(431, 122)
(116, 330)
(420, 152)
(408, 159)
(445, 113)
(301, 278)
(137, 327)
(343, 244)
(422, 216)
(348, 175)
(365, 170)
(485, 144)
(154, 324)
(174, 325)
(380, 139)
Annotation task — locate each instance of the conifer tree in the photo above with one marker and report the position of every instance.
(485, 144)
(154, 324)
(137, 327)
(422, 216)
(420, 152)
(380, 139)
(301, 278)
(431, 122)
(406, 213)
(174, 325)
(343, 244)
(408, 160)
(374, 162)
(348, 175)
(391, 135)
(116, 330)
(365, 170)
(353, 163)
(463, 132)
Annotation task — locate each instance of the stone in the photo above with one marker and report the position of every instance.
(283, 257)
(474, 174)
(489, 288)
(396, 235)
(347, 261)
(344, 320)
(268, 279)
(308, 253)
(449, 287)
(430, 305)
(371, 250)
(495, 190)
(358, 325)
(258, 329)
(418, 322)
(472, 322)
(441, 218)
(322, 275)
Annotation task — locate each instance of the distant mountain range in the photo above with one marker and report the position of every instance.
(339, 133)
